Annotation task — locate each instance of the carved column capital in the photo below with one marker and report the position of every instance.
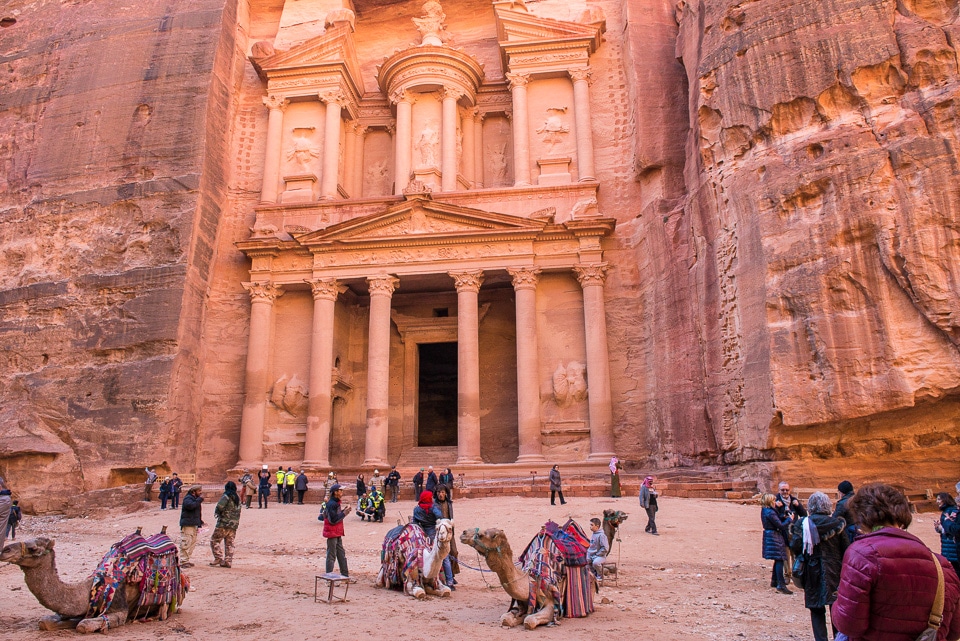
(450, 93)
(583, 73)
(333, 96)
(524, 277)
(382, 285)
(263, 292)
(324, 288)
(591, 274)
(274, 101)
(467, 281)
(361, 130)
(402, 95)
(518, 79)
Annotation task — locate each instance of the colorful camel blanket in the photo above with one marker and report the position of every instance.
(556, 561)
(402, 551)
(151, 563)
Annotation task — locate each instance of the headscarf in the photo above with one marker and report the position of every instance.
(230, 490)
(426, 500)
(613, 464)
(648, 481)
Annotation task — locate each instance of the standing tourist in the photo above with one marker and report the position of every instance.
(263, 488)
(615, 467)
(16, 515)
(842, 510)
(281, 476)
(450, 564)
(376, 479)
(418, 484)
(190, 521)
(289, 481)
(889, 578)
(393, 482)
(775, 535)
(787, 504)
(251, 488)
(242, 482)
(944, 526)
(556, 486)
(361, 485)
(301, 485)
(228, 520)
(6, 503)
(175, 486)
(333, 516)
(164, 492)
(599, 548)
(446, 478)
(148, 484)
(822, 539)
(648, 501)
(432, 480)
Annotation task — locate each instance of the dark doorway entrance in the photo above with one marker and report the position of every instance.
(437, 402)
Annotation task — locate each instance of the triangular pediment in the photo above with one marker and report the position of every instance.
(333, 48)
(520, 27)
(422, 219)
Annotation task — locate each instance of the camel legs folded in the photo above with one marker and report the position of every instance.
(56, 622)
(542, 616)
(112, 619)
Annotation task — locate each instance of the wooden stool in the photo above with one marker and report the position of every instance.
(333, 580)
(611, 568)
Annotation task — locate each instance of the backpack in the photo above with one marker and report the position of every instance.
(323, 511)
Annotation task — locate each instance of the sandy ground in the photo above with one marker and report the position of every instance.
(703, 582)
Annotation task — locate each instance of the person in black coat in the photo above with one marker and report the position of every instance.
(556, 486)
(842, 510)
(775, 535)
(823, 547)
(432, 480)
(393, 482)
(418, 484)
(191, 519)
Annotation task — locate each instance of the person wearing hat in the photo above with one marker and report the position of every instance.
(393, 482)
(426, 514)
(190, 521)
(842, 509)
(263, 487)
(418, 483)
(301, 485)
(333, 516)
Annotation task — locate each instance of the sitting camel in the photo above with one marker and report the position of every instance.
(493, 546)
(412, 563)
(72, 601)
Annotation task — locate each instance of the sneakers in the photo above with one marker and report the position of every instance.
(784, 590)
(215, 564)
(225, 564)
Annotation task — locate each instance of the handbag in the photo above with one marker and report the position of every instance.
(936, 611)
(799, 565)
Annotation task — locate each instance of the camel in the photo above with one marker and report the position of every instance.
(72, 601)
(492, 544)
(412, 562)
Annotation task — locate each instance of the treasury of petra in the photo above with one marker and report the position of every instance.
(350, 234)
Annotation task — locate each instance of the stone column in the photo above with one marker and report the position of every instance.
(581, 115)
(478, 150)
(359, 134)
(349, 168)
(378, 369)
(262, 296)
(271, 162)
(448, 139)
(521, 129)
(468, 366)
(316, 451)
(403, 148)
(331, 144)
(468, 143)
(528, 367)
(599, 404)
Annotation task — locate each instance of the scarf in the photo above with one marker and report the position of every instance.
(426, 500)
(647, 481)
(613, 465)
(811, 537)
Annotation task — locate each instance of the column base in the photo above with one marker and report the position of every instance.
(316, 464)
(587, 179)
(372, 462)
(522, 183)
(469, 460)
(531, 458)
(600, 457)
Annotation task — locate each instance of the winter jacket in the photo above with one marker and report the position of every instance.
(301, 482)
(393, 478)
(842, 511)
(775, 534)
(555, 480)
(264, 484)
(792, 504)
(427, 519)
(418, 479)
(948, 543)
(821, 574)
(227, 513)
(333, 517)
(887, 586)
(648, 497)
(432, 482)
(446, 479)
(361, 487)
(190, 511)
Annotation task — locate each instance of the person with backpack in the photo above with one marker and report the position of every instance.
(16, 515)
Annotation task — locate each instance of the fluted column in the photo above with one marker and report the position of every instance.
(521, 129)
(403, 148)
(448, 140)
(468, 366)
(262, 296)
(271, 162)
(468, 147)
(478, 150)
(378, 369)
(528, 366)
(349, 149)
(316, 451)
(581, 115)
(599, 404)
(359, 133)
(331, 144)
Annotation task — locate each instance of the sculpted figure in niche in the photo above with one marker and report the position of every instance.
(570, 383)
(430, 26)
(498, 161)
(290, 395)
(553, 128)
(427, 145)
(302, 152)
(377, 177)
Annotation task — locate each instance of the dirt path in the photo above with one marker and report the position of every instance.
(703, 582)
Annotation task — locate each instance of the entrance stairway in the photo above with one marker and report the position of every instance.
(414, 458)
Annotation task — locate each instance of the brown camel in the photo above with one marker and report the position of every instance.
(400, 559)
(71, 601)
(492, 544)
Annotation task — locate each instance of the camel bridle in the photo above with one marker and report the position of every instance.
(481, 547)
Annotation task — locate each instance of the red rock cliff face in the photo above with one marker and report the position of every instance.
(821, 231)
(111, 130)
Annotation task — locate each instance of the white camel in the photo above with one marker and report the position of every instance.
(412, 562)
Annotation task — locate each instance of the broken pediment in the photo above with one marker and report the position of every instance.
(522, 34)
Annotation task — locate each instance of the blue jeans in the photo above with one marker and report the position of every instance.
(777, 577)
(448, 570)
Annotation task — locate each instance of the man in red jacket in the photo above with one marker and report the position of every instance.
(333, 530)
(889, 581)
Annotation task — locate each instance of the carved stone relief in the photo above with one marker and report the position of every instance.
(290, 395)
(570, 383)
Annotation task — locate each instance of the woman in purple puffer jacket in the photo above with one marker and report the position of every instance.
(889, 581)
